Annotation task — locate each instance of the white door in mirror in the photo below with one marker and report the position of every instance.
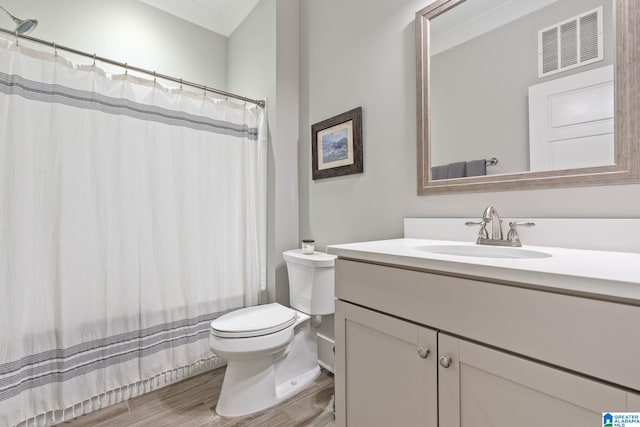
(571, 121)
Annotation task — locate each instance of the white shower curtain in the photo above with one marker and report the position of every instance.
(131, 215)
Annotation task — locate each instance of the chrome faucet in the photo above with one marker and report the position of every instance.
(490, 216)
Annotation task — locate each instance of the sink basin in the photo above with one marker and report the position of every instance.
(481, 251)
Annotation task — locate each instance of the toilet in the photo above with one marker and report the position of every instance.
(272, 350)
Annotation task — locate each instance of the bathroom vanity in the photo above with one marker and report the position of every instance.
(427, 338)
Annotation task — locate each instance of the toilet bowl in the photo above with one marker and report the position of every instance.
(271, 350)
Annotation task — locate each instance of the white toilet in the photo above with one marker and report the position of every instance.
(271, 350)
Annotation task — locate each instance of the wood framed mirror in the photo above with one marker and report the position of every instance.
(605, 151)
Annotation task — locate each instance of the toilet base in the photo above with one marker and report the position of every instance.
(259, 395)
(253, 384)
(293, 386)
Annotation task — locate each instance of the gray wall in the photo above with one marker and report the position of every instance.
(128, 31)
(263, 62)
(479, 97)
(362, 52)
(359, 53)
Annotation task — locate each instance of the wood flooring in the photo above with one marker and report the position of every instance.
(191, 403)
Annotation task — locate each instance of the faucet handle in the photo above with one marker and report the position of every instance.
(513, 224)
(512, 235)
(482, 234)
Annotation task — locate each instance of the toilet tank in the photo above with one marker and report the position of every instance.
(311, 281)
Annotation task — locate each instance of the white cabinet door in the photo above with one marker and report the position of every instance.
(484, 387)
(633, 402)
(386, 372)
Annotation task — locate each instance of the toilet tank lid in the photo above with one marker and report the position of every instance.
(317, 259)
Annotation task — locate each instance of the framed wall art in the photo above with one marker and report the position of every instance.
(336, 145)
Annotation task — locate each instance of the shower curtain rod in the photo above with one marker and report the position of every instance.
(260, 103)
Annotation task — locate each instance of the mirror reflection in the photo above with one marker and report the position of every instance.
(521, 85)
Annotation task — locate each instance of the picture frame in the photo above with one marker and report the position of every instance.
(336, 145)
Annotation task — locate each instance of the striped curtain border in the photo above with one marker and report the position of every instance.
(61, 365)
(13, 84)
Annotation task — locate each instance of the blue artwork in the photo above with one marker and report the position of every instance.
(335, 146)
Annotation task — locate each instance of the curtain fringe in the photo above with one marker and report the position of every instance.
(122, 394)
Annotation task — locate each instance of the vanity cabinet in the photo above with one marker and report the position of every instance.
(499, 354)
(390, 373)
(484, 387)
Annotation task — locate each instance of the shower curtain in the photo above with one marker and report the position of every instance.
(131, 215)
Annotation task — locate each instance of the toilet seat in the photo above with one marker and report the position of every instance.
(253, 321)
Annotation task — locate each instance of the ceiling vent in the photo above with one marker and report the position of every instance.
(571, 43)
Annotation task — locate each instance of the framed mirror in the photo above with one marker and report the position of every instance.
(521, 94)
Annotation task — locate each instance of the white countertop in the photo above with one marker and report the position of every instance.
(599, 274)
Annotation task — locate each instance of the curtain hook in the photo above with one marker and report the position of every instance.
(205, 90)
(180, 84)
(55, 49)
(94, 59)
(126, 69)
(17, 42)
(154, 76)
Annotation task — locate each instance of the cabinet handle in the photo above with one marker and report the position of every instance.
(445, 361)
(423, 352)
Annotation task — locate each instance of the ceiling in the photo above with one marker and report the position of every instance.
(221, 16)
(471, 19)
